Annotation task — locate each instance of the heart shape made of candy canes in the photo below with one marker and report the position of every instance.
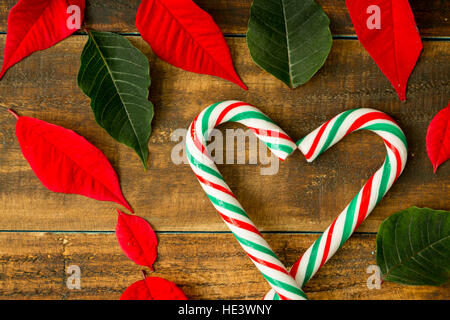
(287, 284)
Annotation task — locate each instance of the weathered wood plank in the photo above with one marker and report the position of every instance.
(33, 267)
(301, 196)
(432, 16)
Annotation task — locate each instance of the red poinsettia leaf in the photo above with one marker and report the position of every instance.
(386, 28)
(184, 35)
(153, 288)
(65, 162)
(137, 239)
(438, 138)
(35, 25)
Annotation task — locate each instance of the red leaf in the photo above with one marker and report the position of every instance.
(37, 25)
(386, 28)
(184, 35)
(137, 239)
(65, 162)
(153, 288)
(438, 138)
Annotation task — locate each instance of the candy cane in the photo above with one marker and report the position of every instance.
(370, 195)
(224, 200)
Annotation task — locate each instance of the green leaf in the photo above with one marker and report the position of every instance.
(413, 247)
(115, 75)
(290, 39)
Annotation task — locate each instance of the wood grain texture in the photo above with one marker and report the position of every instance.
(432, 16)
(302, 196)
(34, 267)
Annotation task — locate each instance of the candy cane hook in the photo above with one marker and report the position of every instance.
(370, 195)
(224, 200)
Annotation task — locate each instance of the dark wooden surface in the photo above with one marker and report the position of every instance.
(432, 16)
(206, 266)
(306, 196)
(302, 198)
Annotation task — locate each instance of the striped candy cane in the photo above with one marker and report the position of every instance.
(370, 195)
(224, 200)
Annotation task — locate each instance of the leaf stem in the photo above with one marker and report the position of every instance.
(13, 113)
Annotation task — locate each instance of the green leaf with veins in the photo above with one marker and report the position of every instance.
(413, 247)
(115, 75)
(290, 39)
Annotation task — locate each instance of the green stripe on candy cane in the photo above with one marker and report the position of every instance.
(281, 147)
(201, 166)
(205, 120)
(228, 206)
(310, 267)
(250, 115)
(348, 224)
(334, 130)
(382, 125)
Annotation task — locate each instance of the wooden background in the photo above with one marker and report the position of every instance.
(42, 233)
